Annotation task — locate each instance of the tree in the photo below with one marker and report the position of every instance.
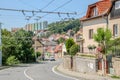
(18, 44)
(61, 40)
(8, 45)
(72, 49)
(103, 37)
(64, 26)
(12, 60)
(69, 42)
(24, 50)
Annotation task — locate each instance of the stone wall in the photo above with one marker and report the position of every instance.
(67, 63)
(81, 64)
(86, 65)
(116, 66)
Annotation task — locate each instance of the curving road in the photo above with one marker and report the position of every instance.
(13, 73)
(38, 71)
(44, 71)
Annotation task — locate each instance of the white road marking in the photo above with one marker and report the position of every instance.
(30, 78)
(53, 69)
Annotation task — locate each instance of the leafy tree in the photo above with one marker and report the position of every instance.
(61, 40)
(12, 60)
(74, 49)
(68, 44)
(38, 54)
(24, 46)
(8, 45)
(103, 37)
(64, 26)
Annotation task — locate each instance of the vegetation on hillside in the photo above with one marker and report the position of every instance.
(63, 26)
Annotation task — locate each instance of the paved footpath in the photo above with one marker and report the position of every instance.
(81, 75)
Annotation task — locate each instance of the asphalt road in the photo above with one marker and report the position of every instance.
(13, 73)
(38, 71)
(43, 71)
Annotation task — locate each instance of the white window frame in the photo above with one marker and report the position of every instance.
(116, 30)
(95, 11)
(91, 32)
(117, 5)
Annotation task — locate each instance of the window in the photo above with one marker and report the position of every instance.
(95, 10)
(117, 5)
(90, 33)
(115, 30)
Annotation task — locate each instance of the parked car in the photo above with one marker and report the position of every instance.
(52, 58)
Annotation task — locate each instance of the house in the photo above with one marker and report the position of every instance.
(114, 25)
(58, 51)
(114, 18)
(102, 14)
(48, 47)
(78, 38)
(96, 17)
(38, 46)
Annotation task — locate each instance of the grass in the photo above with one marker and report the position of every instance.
(116, 77)
(91, 56)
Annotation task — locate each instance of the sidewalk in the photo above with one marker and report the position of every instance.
(80, 76)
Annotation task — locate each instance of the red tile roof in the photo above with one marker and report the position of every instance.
(58, 48)
(103, 7)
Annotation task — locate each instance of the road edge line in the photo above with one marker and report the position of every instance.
(30, 78)
(53, 69)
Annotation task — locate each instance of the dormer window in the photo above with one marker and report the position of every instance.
(95, 10)
(117, 5)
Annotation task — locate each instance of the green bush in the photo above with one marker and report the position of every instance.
(12, 60)
(69, 42)
(74, 49)
(90, 47)
(38, 54)
(116, 77)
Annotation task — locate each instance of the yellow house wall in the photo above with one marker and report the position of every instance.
(111, 23)
(91, 24)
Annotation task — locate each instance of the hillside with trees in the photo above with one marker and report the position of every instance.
(63, 26)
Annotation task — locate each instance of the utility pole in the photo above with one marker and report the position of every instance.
(0, 45)
(36, 37)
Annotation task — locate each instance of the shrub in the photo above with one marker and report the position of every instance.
(90, 47)
(74, 49)
(93, 46)
(12, 60)
(38, 54)
(68, 44)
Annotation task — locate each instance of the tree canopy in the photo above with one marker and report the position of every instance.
(103, 37)
(18, 44)
(64, 26)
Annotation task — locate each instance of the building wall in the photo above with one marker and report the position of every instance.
(36, 26)
(111, 23)
(91, 24)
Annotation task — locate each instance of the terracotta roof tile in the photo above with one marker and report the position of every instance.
(103, 8)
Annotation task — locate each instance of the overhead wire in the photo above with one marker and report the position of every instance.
(47, 4)
(58, 8)
(29, 5)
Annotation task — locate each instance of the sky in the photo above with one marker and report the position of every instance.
(10, 19)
